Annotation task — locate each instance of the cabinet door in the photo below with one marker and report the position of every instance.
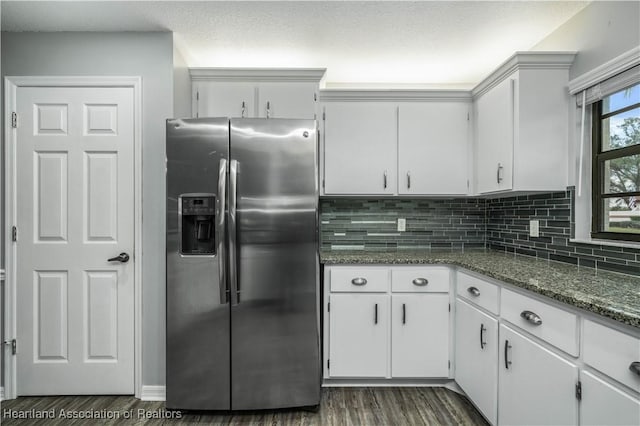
(495, 136)
(287, 100)
(536, 386)
(359, 335)
(360, 148)
(420, 335)
(224, 99)
(476, 348)
(433, 148)
(603, 404)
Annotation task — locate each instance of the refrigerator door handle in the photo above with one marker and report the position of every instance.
(233, 247)
(221, 232)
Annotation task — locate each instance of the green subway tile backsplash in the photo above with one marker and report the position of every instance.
(373, 224)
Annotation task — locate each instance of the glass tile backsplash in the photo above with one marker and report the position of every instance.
(457, 224)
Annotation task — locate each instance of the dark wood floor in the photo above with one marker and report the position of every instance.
(339, 406)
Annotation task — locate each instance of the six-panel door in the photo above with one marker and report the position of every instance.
(74, 213)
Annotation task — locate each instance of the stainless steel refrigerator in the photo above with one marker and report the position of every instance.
(242, 264)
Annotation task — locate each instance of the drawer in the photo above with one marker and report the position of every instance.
(372, 280)
(409, 279)
(478, 291)
(612, 352)
(558, 327)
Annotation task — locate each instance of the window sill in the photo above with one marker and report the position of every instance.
(627, 244)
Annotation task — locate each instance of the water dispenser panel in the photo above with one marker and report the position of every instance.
(198, 225)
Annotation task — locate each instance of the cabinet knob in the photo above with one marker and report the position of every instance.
(531, 317)
(635, 367)
(420, 282)
(359, 281)
(385, 179)
(499, 177)
(244, 109)
(408, 180)
(268, 109)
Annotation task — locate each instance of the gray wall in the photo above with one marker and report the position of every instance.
(149, 55)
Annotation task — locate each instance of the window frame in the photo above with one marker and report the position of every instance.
(599, 158)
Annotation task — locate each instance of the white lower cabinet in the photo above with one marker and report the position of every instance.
(535, 386)
(358, 342)
(420, 335)
(604, 404)
(476, 357)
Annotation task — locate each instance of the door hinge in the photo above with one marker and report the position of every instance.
(14, 234)
(14, 345)
(328, 364)
(579, 390)
(14, 120)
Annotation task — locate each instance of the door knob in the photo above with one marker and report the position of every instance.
(122, 257)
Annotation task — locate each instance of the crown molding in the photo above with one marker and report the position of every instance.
(257, 74)
(392, 95)
(524, 60)
(628, 59)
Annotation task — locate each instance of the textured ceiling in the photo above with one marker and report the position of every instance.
(360, 43)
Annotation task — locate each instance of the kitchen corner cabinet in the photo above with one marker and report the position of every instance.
(255, 93)
(521, 124)
(381, 144)
(386, 323)
(476, 353)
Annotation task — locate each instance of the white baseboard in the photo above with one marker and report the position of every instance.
(153, 393)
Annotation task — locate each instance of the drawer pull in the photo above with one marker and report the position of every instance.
(482, 330)
(635, 367)
(507, 346)
(404, 313)
(474, 291)
(531, 317)
(375, 314)
(359, 281)
(420, 282)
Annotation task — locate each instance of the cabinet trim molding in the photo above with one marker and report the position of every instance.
(257, 74)
(394, 95)
(627, 60)
(524, 60)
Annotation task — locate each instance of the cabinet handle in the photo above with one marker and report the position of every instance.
(474, 291)
(420, 282)
(385, 179)
(359, 281)
(375, 314)
(531, 317)
(404, 314)
(634, 367)
(408, 180)
(268, 109)
(499, 177)
(507, 346)
(244, 109)
(482, 330)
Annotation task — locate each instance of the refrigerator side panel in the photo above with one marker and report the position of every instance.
(275, 355)
(198, 314)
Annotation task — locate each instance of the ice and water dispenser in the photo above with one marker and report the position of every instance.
(197, 224)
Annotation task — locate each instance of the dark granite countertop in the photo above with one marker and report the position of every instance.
(613, 295)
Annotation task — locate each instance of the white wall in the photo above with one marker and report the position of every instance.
(181, 85)
(599, 33)
(149, 55)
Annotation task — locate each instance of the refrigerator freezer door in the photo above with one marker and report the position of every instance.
(275, 356)
(198, 314)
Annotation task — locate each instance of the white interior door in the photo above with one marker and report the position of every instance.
(75, 205)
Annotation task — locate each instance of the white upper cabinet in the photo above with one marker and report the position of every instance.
(254, 92)
(360, 145)
(433, 148)
(522, 119)
(396, 143)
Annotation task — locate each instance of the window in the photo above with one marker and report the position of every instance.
(616, 166)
